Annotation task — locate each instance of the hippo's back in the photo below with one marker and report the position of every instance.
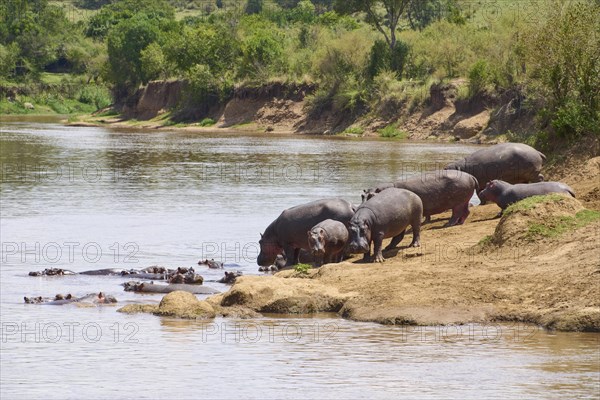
(441, 190)
(510, 162)
(293, 223)
(392, 205)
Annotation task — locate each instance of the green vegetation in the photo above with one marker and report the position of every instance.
(392, 131)
(207, 122)
(557, 227)
(365, 58)
(531, 202)
(302, 268)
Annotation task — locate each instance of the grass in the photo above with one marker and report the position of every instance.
(353, 130)
(530, 202)
(392, 131)
(486, 241)
(561, 225)
(207, 122)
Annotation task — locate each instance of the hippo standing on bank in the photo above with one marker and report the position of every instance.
(505, 194)
(327, 241)
(510, 162)
(386, 215)
(439, 191)
(287, 234)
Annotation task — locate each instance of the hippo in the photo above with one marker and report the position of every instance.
(327, 241)
(211, 263)
(145, 287)
(230, 277)
(287, 234)
(185, 275)
(383, 216)
(106, 271)
(504, 194)
(59, 299)
(439, 191)
(510, 162)
(279, 263)
(52, 272)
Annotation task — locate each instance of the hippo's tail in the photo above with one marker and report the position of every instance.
(572, 192)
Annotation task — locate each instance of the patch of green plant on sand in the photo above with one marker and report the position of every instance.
(302, 268)
(530, 202)
(561, 225)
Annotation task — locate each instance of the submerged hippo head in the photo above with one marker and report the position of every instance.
(105, 298)
(360, 237)
(368, 194)
(269, 249)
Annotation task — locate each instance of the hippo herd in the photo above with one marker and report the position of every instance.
(330, 229)
(185, 279)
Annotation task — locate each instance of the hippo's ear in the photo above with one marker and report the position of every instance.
(261, 235)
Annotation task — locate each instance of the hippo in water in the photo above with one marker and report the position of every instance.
(505, 194)
(439, 191)
(230, 277)
(510, 162)
(386, 215)
(52, 272)
(287, 234)
(327, 241)
(151, 287)
(59, 299)
(212, 263)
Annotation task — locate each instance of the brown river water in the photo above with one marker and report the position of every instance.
(90, 198)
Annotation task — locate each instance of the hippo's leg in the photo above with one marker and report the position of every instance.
(396, 240)
(377, 245)
(465, 213)
(416, 229)
(482, 201)
(427, 219)
(291, 255)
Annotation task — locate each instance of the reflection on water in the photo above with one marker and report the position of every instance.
(87, 198)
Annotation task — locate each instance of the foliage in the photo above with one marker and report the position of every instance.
(392, 131)
(204, 89)
(261, 48)
(302, 268)
(382, 58)
(384, 15)
(564, 56)
(254, 6)
(111, 15)
(125, 44)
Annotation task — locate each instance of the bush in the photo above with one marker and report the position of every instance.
(479, 77)
(392, 131)
(204, 89)
(382, 58)
(565, 68)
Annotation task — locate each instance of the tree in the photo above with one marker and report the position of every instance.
(384, 15)
(125, 44)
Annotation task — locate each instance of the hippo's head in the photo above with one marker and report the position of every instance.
(269, 249)
(316, 244)
(105, 299)
(457, 165)
(367, 194)
(491, 192)
(360, 237)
